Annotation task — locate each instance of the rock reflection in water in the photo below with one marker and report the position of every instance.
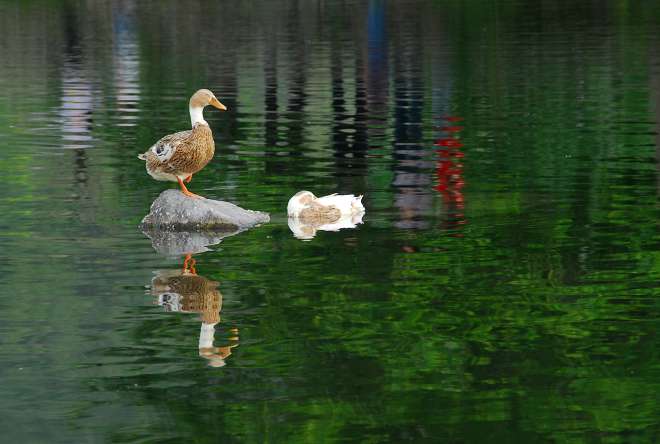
(187, 292)
(178, 243)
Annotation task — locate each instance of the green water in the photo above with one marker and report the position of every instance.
(503, 286)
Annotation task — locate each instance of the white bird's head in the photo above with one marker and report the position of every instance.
(301, 230)
(298, 202)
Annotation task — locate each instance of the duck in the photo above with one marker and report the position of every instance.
(305, 205)
(176, 157)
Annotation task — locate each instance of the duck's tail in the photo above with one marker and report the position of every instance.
(142, 156)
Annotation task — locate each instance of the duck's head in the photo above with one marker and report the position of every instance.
(198, 101)
(301, 230)
(298, 202)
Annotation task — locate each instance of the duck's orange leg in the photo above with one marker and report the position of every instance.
(185, 191)
(189, 264)
(188, 179)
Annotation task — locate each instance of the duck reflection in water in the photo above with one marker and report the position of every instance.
(306, 228)
(186, 291)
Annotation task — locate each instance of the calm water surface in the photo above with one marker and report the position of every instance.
(502, 288)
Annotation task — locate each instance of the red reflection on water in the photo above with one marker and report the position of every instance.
(449, 173)
(448, 142)
(452, 129)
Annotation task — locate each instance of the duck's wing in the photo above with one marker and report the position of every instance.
(347, 203)
(317, 213)
(163, 150)
(345, 221)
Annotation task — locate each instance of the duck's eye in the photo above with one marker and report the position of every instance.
(159, 150)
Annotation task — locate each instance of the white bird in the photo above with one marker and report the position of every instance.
(308, 213)
(327, 209)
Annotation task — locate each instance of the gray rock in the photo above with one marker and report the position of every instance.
(173, 211)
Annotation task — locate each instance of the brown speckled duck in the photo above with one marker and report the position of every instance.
(176, 157)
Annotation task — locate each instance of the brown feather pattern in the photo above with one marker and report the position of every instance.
(193, 150)
(199, 294)
(317, 214)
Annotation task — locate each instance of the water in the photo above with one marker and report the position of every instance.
(504, 283)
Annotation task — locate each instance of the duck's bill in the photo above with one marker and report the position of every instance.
(215, 102)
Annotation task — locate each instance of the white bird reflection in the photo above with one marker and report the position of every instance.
(306, 230)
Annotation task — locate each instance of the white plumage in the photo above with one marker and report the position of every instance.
(347, 204)
(163, 151)
(170, 301)
(308, 213)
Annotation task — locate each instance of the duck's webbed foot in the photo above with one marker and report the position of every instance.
(185, 191)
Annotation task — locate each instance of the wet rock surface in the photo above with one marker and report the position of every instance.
(173, 211)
